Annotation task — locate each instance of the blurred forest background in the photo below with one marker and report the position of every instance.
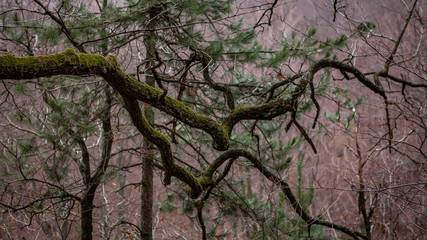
(270, 119)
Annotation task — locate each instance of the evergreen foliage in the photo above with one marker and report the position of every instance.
(235, 120)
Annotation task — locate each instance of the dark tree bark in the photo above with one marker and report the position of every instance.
(147, 192)
(86, 216)
(148, 159)
(92, 182)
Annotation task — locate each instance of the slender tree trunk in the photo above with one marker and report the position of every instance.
(147, 184)
(92, 182)
(86, 218)
(147, 193)
(148, 159)
(122, 183)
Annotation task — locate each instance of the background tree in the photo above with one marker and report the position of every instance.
(239, 104)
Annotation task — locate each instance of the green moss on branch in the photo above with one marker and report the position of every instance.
(265, 111)
(71, 63)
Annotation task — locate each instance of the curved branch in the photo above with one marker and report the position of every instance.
(266, 111)
(270, 9)
(71, 63)
(402, 81)
(270, 110)
(348, 68)
(64, 28)
(216, 86)
(207, 194)
(279, 84)
(158, 139)
(284, 186)
(399, 39)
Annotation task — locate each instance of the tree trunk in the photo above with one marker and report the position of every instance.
(86, 219)
(148, 159)
(147, 193)
(122, 184)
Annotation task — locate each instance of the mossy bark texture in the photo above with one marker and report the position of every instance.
(71, 63)
(132, 91)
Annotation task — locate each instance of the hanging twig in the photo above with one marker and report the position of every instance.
(206, 196)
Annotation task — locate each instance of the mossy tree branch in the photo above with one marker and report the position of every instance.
(158, 139)
(266, 111)
(216, 86)
(71, 63)
(132, 91)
